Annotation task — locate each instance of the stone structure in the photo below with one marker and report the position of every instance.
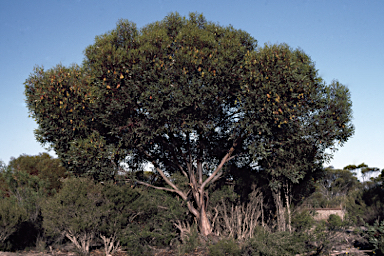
(323, 213)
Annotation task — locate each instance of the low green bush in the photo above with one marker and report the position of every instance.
(325, 233)
(11, 216)
(152, 225)
(225, 247)
(303, 221)
(335, 222)
(375, 236)
(75, 212)
(190, 243)
(266, 243)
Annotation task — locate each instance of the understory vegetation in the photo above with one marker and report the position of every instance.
(39, 213)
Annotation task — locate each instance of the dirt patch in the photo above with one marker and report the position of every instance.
(196, 252)
(342, 243)
(32, 253)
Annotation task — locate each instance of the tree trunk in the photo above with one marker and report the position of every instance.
(197, 185)
(111, 244)
(288, 203)
(280, 210)
(205, 225)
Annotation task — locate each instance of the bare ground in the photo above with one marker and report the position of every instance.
(342, 244)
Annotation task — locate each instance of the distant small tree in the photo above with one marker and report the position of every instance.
(337, 183)
(43, 166)
(31, 178)
(3, 185)
(373, 197)
(2, 166)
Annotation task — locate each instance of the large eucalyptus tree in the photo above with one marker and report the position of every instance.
(188, 96)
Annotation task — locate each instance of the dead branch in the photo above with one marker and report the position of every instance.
(239, 221)
(185, 229)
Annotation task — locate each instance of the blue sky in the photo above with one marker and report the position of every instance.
(344, 38)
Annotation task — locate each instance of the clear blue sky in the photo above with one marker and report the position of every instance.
(344, 37)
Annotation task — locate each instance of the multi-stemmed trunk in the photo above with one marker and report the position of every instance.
(205, 225)
(197, 206)
(280, 210)
(283, 212)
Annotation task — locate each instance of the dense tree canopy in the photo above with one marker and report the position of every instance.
(43, 166)
(189, 96)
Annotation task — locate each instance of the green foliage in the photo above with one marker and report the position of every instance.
(375, 235)
(273, 87)
(75, 212)
(373, 197)
(335, 222)
(11, 216)
(117, 212)
(335, 188)
(266, 243)
(294, 113)
(135, 218)
(59, 105)
(28, 180)
(191, 242)
(28, 191)
(43, 166)
(183, 91)
(225, 247)
(303, 221)
(93, 155)
(355, 208)
(152, 224)
(322, 237)
(163, 58)
(326, 234)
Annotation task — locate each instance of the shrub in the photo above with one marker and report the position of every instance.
(75, 212)
(326, 234)
(11, 216)
(191, 242)
(116, 214)
(225, 247)
(375, 236)
(303, 221)
(156, 212)
(266, 243)
(334, 222)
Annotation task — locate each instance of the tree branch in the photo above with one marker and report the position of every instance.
(170, 183)
(175, 161)
(216, 177)
(156, 187)
(223, 161)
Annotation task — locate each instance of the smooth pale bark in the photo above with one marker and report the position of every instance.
(280, 210)
(197, 188)
(111, 244)
(288, 203)
(205, 225)
(82, 242)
